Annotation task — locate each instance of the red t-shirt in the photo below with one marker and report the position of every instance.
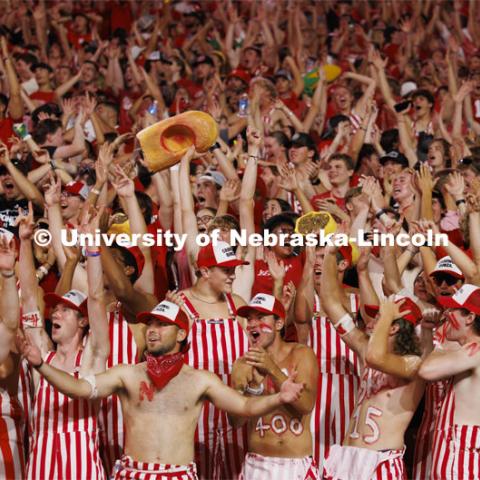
(6, 130)
(296, 105)
(327, 195)
(264, 281)
(45, 97)
(159, 259)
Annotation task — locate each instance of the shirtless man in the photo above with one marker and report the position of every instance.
(390, 388)
(161, 398)
(12, 462)
(279, 443)
(457, 426)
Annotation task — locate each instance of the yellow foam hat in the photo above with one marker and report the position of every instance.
(165, 142)
(117, 228)
(312, 222)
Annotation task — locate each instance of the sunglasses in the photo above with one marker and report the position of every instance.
(448, 279)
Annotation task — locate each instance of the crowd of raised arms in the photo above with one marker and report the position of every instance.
(338, 362)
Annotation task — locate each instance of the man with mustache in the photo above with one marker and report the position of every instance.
(161, 398)
(280, 443)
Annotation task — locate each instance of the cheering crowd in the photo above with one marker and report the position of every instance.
(219, 362)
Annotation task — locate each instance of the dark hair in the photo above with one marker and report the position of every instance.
(346, 159)
(44, 128)
(367, 150)
(4, 100)
(476, 325)
(277, 220)
(284, 205)
(389, 140)
(145, 203)
(48, 108)
(406, 340)
(27, 58)
(446, 150)
(281, 138)
(129, 261)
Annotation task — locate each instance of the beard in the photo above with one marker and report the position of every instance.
(163, 349)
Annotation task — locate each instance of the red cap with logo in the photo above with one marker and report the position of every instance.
(167, 312)
(73, 299)
(219, 255)
(414, 315)
(467, 297)
(264, 303)
(445, 265)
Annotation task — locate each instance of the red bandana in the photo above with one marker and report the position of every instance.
(162, 369)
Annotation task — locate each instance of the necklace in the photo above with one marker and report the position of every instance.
(204, 301)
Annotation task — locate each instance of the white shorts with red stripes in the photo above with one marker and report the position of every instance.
(127, 468)
(348, 463)
(457, 453)
(258, 467)
(12, 462)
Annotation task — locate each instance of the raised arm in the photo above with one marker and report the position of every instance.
(305, 297)
(78, 144)
(15, 104)
(126, 191)
(106, 383)
(28, 285)
(331, 298)
(98, 344)
(378, 356)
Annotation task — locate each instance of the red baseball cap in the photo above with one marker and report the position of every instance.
(77, 188)
(414, 316)
(241, 74)
(467, 297)
(167, 312)
(264, 303)
(219, 255)
(73, 299)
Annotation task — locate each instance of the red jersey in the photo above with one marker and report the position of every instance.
(45, 97)
(264, 281)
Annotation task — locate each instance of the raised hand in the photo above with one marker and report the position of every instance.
(25, 223)
(254, 137)
(290, 391)
(288, 178)
(124, 186)
(455, 185)
(230, 191)
(90, 221)
(4, 154)
(7, 253)
(53, 192)
(390, 309)
(288, 295)
(275, 267)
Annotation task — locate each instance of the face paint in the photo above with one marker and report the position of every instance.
(265, 328)
(453, 321)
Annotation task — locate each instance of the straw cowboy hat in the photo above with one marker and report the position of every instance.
(165, 142)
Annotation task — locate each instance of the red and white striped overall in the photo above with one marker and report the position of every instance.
(65, 439)
(338, 383)
(123, 350)
(215, 344)
(12, 459)
(422, 464)
(130, 469)
(456, 448)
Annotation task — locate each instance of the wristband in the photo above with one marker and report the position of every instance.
(175, 168)
(315, 182)
(91, 380)
(95, 191)
(459, 202)
(89, 253)
(380, 213)
(255, 391)
(31, 320)
(9, 274)
(53, 165)
(345, 325)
